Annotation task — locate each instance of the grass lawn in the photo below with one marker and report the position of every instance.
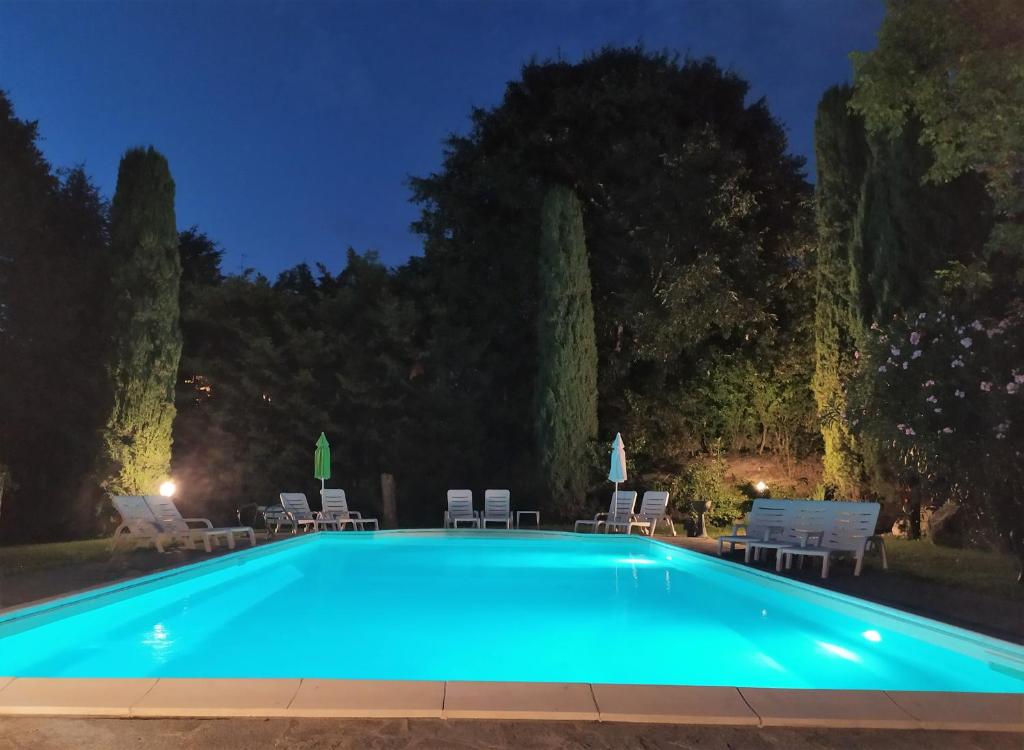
(54, 555)
(971, 569)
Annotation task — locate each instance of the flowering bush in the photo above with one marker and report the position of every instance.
(943, 396)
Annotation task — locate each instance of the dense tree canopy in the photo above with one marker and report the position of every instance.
(53, 231)
(695, 217)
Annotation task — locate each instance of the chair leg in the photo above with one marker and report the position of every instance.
(859, 564)
(824, 566)
(779, 557)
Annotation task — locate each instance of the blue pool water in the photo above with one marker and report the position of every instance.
(496, 606)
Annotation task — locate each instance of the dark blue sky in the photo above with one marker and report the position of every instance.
(291, 127)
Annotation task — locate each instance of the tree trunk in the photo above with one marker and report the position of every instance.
(389, 507)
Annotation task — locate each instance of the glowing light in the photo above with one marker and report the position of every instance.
(839, 651)
(761, 487)
(168, 488)
(872, 635)
(634, 561)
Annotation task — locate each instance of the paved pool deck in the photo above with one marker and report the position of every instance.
(424, 734)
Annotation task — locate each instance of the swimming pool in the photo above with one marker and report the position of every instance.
(529, 607)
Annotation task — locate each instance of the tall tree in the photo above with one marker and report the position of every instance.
(883, 233)
(566, 412)
(957, 68)
(52, 388)
(146, 339)
(842, 154)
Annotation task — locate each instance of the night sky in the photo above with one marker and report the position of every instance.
(291, 127)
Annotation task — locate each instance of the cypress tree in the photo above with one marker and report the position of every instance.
(842, 152)
(146, 339)
(566, 413)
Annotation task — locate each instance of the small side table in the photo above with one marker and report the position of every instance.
(521, 513)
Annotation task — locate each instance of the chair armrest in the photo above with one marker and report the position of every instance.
(600, 516)
(355, 514)
(205, 521)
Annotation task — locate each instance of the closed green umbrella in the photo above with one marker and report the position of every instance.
(322, 460)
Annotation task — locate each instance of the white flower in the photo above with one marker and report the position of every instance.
(966, 342)
(947, 430)
(956, 363)
(910, 431)
(986, 386)
(1018, 377)
(1012, 387)
(915, 338)
(932, 400)
(905, 365)
(916, 354)
(895, 351)
(883, 368)
(937, 410)
(922, 316)
(977, 326)
(959, 394)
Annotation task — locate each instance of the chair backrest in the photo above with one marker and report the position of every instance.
(334, 503)
(768, 514)
(135, 513)
(850, 526)
(166, 512)
(296, 504)
(623, 505)
(496, 503)
(654, 505)
(460, 503)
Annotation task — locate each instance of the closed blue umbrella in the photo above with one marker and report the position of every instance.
(617, 471)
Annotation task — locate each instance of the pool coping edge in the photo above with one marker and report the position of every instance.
(456, 700)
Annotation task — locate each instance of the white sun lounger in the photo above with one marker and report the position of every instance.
(170, 518)
(138, 524)
(460, 510)
(767, 518)
(804, 523)
(497, 508)
(620, 509)
(653, 509)
(334, 509)
(848, 534)
(297, 513)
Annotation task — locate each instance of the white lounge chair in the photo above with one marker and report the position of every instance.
(804, 523)
(620, 509)
(497, 508)
(653, 509)
(460, 510)
(848, 534)
(297, 513)
(171, 520)
(765, 520)
(334, 509)
(138, 524)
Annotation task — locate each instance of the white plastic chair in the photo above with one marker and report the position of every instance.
(460, 510)
(335, 511)
(848, 534)
(767, 518)
(803, 523)
(653, 509)
(138, 523)
(171, 520)
(620, 509)
(297, 512)
(497, 508)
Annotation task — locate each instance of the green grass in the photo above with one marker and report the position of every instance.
(972, 569)
(54, 555)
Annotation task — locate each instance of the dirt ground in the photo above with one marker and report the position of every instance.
(424, 734)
